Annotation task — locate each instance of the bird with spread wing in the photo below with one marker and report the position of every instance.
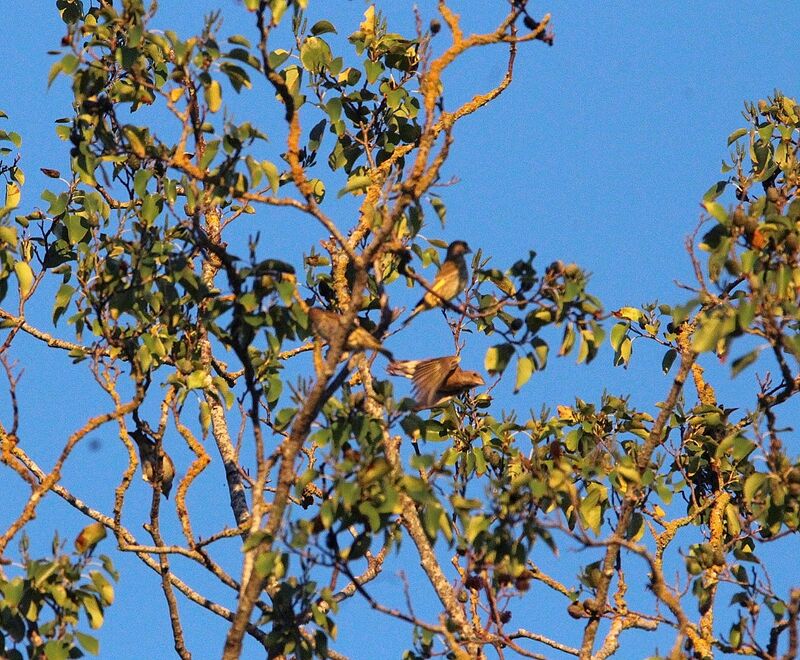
(436, 380)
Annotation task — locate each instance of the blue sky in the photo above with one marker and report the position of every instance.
(598, 153)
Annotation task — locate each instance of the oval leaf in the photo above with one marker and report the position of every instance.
(24, 277)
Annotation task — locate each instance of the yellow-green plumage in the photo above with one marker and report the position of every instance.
(449, 282)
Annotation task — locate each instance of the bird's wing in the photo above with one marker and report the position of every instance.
(429, 376)
(404, 368)
(146, 447)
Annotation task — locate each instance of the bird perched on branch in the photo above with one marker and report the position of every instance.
(450, 281)
(326, 324)
(436, 380)
(149, 458)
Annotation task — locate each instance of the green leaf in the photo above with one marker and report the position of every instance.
(480, 461)
(135, 139)
(315, 54)
(239, 40)
(625, 350)
(359, 548)
(745, 313)
(151, 207)
(497, 358)
(76, 229)
(322, 27)
(440, 208)
(742, 447)
(277, 57)
(739, 132)
(752, 484)
(140, 181)
(272, 174)
(8, 235)
(618, 334)
(71, 10)
(715, 191)
(630, 313)
(334, 109)
(55, 69)
(237, 76)
(373, 69)
(356, 183)
(93, 611)
(707, 335)
(540, 352)
(668, 359)
(13, 195)
(475, 525)
(209, 154)
(371, 514)
(318, 189)
(744, 361)
(716, 211)
(24, 277)
(525, 369)
(89, 643)
(591, 511)
(636, 527)
(213, 95)
(63, 297)
(278, 9)
(56, 650)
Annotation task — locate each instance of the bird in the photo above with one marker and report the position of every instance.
(450, 280)
(436, 380)
(326, 324)
(147, 454)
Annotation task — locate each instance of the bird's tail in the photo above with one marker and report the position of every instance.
(405, 368)
(419, 308)
(387, 353)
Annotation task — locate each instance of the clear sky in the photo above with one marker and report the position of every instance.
(598, 153)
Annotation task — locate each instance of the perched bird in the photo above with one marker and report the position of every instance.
(436, 380)
(450, 281)
(147, 454)
(325, 325)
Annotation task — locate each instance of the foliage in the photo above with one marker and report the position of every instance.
(185, 324)
(42, 605)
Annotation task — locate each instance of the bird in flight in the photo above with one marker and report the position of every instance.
(436, 380)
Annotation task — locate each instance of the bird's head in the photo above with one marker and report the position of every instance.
(457, 249)
(473, 379)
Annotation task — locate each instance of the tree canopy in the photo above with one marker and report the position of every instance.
(223, 362)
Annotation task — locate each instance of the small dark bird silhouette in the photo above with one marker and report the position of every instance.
(148, 457)
(449, 282)
(325, 325)
(436, 380)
